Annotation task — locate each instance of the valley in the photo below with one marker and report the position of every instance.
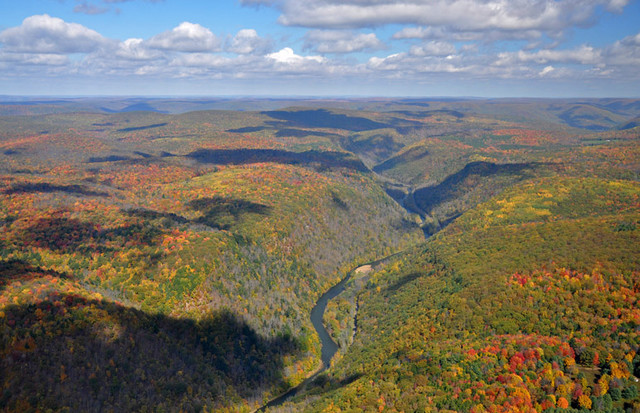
(201, 255)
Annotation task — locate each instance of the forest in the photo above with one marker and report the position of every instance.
(168, 259)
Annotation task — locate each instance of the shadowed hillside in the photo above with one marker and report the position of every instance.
(467, 180)
(154, 262)
(29, 187)
(105, 356)
(412, 154)
(322, 118)
(248, 156)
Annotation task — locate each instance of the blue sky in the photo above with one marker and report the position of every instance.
(321, 47)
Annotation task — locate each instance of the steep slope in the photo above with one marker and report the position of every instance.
(171, 261)
(218, 246)
(527, 302)
(589, 117)
(633, 123)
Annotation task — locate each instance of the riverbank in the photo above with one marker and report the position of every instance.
(329, 348)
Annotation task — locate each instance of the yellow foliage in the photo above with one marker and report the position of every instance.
(569, 361)
(331, 408)
(619, 371)
(584, 401)
(603, 384)
(629, 357)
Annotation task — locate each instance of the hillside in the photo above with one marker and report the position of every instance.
(159, 237)
(156, 256)
(527, 302)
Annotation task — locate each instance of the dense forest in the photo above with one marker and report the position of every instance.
(168, 259)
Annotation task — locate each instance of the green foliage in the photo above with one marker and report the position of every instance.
(109, 355)
(171, 261)
(127, 218)
(479, 318)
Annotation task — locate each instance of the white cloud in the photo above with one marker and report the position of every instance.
(49, 47)
(436, 33)
(419, 33)
(584, 55)
(546, 70)
(288, 57)
(625, 52)
(386, 63)
(202, 60)
(457, 35)
(46, 34)
(550, 16)
(40, 59)
(136, 49)
(415, 66)
(616, 6)
(341, 41)
(187, 37)
(247, 41)
(469, 48)
(42, 44)
(617, 61)
(287, 63)
(433, 48)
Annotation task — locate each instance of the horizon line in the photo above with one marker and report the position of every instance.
(303, 97)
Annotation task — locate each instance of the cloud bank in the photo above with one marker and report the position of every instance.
(458, 15)
(452, 40)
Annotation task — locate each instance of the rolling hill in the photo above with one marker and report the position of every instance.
(153, 256)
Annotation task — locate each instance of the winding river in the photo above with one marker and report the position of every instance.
(328, 347)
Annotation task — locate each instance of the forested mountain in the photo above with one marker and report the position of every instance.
(157, 258)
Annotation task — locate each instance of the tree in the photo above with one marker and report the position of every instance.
(615, 393)
(603, 385)
(630, 392)
(585, 401)
(586, 357)
(563, 403)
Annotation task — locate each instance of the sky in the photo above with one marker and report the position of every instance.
(484, 48)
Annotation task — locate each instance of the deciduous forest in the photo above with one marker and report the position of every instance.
(169, 259)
